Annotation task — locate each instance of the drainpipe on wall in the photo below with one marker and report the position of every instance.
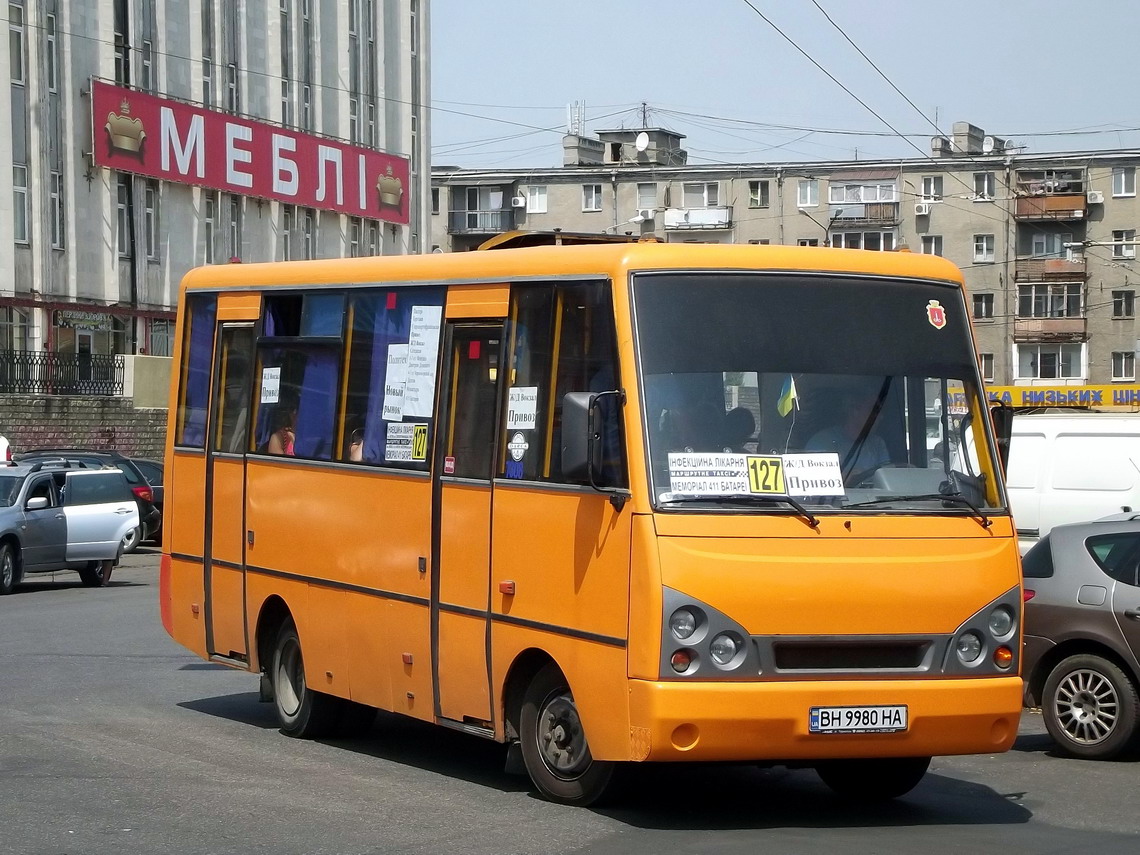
(614, 184)
(1010, 301)
(780, 200)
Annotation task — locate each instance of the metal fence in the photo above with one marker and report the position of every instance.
(31, 372)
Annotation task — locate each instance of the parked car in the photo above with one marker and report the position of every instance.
(153, 471)
(151, 519)
(56, 517)
(1082, 635)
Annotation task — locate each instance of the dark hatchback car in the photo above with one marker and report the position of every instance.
(149, 515)
(153, 471)
(1082, 635)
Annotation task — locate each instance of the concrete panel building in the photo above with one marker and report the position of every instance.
(1047, 242)
(239, 130)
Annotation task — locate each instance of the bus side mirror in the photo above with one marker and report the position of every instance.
(1002, 417)
(578, 445)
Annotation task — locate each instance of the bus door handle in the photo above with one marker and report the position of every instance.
(249, 537)
(507, 587)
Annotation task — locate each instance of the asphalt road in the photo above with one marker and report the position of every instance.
(115, 740)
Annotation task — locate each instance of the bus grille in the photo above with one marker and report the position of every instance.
(849, 656)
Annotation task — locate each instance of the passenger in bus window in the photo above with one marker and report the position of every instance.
(739, 427)
(284, 427)
(356, 446)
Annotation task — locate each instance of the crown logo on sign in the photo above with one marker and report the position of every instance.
(391, 189)
(126, 134)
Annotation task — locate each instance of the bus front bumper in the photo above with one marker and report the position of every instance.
(678, 721)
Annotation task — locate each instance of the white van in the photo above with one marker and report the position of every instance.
(1067, 468)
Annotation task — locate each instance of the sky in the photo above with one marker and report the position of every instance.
(1050, 75)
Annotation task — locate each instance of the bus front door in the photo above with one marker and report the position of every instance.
(227, 441)
(464, 466)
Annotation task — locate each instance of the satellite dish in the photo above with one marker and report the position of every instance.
(987, 145)
(641, 142)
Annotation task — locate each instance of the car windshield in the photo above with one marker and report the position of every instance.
(10, 489)
(835, 392)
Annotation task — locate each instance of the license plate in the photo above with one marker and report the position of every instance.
(886, 719)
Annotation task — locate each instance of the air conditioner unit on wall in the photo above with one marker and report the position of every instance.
(1095, 197)
(645, 213)
(921, 209)
(518, 201)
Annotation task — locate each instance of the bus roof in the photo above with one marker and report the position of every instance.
(609, 260)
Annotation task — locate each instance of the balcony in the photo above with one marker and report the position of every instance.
(1056, 207)
(1050, 329)
(480, 222)
(864, 214)
(715, 217)
(31, 372)
(1036, 269)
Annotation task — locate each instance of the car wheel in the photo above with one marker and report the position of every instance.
(873, 780)
(97, 573)
(1090, 707)
(131, 540)
(554, 748)
(301, 711)
(7, 568)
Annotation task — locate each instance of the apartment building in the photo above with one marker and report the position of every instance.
(146, 137)
(1047, 242)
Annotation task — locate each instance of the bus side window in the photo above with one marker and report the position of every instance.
(563, 340)
(197, 366)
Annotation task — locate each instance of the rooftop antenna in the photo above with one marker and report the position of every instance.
(644, 115)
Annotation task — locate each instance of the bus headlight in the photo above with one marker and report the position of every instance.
(1001, 622)
(683, 623)
(968, 646)
(724, 649)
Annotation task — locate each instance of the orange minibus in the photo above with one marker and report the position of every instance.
(607, 504)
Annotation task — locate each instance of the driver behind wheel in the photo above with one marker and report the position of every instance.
(850, 435)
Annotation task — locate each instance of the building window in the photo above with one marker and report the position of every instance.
(758, 194)
(987, 364)
(208, 52)
(705, 194)
(932, 244)
(147, 54)
(983, 307)
(52, 54)
(1124, 181)
(373, 238)
(874, 241)
(985, 186)
(1049, 301)
(161, 337)
(1123, 365)
(14, 329)
(288, 218)
(435, 200)
(58, 211)
(760, 241)
(1049, 361)
(932, 188)
(209, 225)
(647, 196)
(151, 208)
(355, 236)
(123, 205)
(1051, 244)
(308, 235)
(122, 51)
(591, 197)
(983, 249)
(808, 242)
(235, 227)
(807, 194)
(20, 203)
(858, 194)
(16, 42)
(536, 200)
(232, 100)
(1123, 304)
(1124, 243)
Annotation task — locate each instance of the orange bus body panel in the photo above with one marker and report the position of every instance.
(478, 301)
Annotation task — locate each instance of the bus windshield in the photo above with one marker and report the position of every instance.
(835, 391)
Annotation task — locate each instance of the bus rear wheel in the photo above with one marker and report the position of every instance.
(301, 711)
(875, 779)
(554, 748)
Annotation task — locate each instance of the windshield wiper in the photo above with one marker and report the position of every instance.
(807, 515)
(957, 498)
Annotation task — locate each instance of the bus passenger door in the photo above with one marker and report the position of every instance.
(227, 440)
(461, 530)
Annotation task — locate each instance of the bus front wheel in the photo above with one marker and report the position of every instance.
(554, 747)
(301, 711)
(873, 779)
